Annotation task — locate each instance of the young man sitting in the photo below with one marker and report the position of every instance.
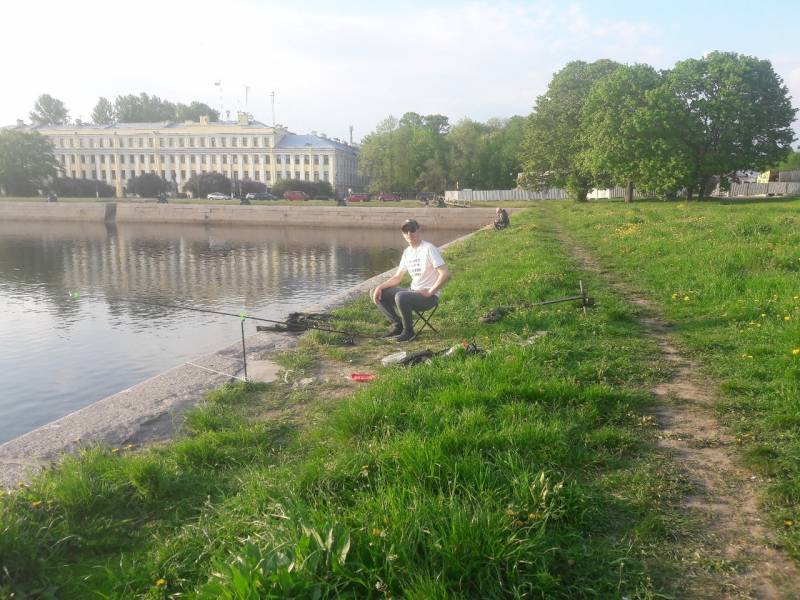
(429, 273)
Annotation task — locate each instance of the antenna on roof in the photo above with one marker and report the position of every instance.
(219, 85)
(246, 95)
(272, 94)
(351, 135)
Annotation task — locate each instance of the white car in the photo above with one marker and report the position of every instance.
(218, 196)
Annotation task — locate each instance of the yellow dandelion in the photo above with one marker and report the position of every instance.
(36, 503)
(686, 298)
(796, 351)
(787, 318)
(788, 522)
(763, 315)
(161, 582)
(114, 450)
(674, 296)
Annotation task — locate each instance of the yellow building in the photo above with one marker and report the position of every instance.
(244, 149)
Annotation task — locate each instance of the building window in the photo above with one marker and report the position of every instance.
(316, 175)
(325, 161)
(103, 158)
(71, 143)
(307, 174)
(256, 160)
(171, 142)
(224, 159)
(255, 142)
(183, 159)
(122, 159)
(102, 174)
(202, 142)
(325, 176)
(297, 175)
(100, 142)
(266, 142)
(278, 176)
(141, 142)
(233, 142)
(244, 159)
(163, 174)
(287, 159)
(268, 176)
(244, 142)
(193, 159)
(91, 143)
(93, 159)
(181, 142)
(266, 159)
(183, 174)
(141, 158)
(213, 142)
(122, 172)
(306, 159)
(162, 142)
(297, 159)
(94, 174)
(150, 142)
(278, 159)
(223, 141)
(257, 176)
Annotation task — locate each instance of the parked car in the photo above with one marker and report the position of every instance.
(218, 196)
(358, 198)
(260, 196)
(388, 197)
(294, 195)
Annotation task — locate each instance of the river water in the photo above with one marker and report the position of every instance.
(73, 328)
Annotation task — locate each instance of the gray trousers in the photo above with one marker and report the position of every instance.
(404, 300)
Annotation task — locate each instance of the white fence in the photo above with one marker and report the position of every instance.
(460, 196)
(760, 189)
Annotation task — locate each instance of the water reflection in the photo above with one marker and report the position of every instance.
(72, 329)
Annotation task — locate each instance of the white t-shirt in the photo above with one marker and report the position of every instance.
(421, 263)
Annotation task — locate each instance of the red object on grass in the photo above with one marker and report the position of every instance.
(362, 376)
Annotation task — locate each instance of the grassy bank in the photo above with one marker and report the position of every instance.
(526, 471)
(727, 275)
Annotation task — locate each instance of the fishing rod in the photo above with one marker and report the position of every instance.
(296, 324)
(498, 313)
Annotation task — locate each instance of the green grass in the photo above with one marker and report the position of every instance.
(526, 471)
(727, 275)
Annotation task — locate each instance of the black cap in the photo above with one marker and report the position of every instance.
(409, 225)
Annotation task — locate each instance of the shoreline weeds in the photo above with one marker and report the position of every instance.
(151, 411)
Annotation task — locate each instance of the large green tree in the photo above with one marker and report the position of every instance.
(147, 185)
(49, 111)
(553, 136)
(735, 114)
(103, 113)
(193, 111)
(628, 127)
(143, 109)
(26, 162)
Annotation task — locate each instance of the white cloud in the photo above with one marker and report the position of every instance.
(328, 69)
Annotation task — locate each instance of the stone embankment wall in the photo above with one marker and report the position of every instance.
(300, 216)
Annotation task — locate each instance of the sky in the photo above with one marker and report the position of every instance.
(342, 63)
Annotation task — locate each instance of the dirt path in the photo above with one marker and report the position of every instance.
(725, 497)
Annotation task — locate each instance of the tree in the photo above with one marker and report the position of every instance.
(193, 112)
(790, 163)
(202, 184)
(315, 189)
(26, 162)
(736, 114)
(553, 132)
(103, 113)
(248, 186)
(143, 109)
(49, 111)
(68, 187)
(147, 185)
(620, 134)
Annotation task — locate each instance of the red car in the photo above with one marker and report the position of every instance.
(358, 198)
(294, 195)
(388, 197)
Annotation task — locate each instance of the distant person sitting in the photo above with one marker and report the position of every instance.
(501, 220)
(423, 261)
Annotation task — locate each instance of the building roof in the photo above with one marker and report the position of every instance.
(293, 141)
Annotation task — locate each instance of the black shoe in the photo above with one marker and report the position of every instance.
(405, 337)
(396, 329)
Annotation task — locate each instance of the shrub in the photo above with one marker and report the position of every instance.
(69, 187)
